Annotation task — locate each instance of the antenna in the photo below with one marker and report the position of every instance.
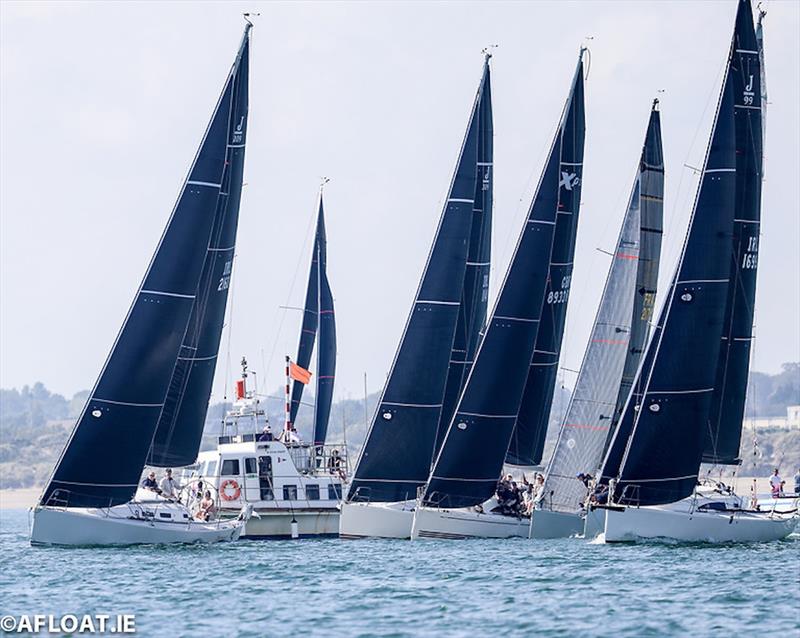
(323, 181)
(247, 17)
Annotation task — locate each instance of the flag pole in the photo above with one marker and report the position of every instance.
(288, 423)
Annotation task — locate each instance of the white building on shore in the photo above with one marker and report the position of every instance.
(789, 422)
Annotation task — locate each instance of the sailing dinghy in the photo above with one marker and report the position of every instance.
(149, 402)
(694, 374)
(456, 501)
(436, 349)
(615, 346)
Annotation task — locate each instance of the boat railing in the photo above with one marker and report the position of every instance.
(319, 459)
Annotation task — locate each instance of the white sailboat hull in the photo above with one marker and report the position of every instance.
(377, 520)
(550, 524)
(117, 526)
(466, 523)
(595, 523)
(677, 521)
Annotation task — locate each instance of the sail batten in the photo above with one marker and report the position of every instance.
(396, 456)
(107, 449)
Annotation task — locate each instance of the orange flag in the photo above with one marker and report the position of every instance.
(299, 374)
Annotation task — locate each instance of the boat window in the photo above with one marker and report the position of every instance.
(335, 492)
(266, 494)
(290, 492)
(230, 467)
(312, 492)
(250, 466)
(211, 470)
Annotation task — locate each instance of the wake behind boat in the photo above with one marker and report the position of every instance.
(150, 401)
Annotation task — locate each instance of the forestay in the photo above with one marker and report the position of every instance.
(619, 329)
(103, 459)
(530, 429)
(396, 457)
(467, 467)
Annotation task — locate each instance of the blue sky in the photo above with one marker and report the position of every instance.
(102, 106)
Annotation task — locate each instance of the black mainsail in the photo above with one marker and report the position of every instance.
(620, 328)
(180, 426)
(104, 456)
(471, 457)
(475, 297)
(671, 417)
(396, 456)
(318, 319)
(527, 440)
(724, 433)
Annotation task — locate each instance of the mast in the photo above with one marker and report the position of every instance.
(104, 456)
(396, 456)
(527, 441)
(471, 457)
(669, 421)
(619, 329)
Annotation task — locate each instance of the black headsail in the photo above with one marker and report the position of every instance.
(619, 330)
(310, 324)
(467, 467)
(527, 441)
(326, 346)
(180, 426)
(396, 457)
(475, 298)
(105, 454)
(670, 418)
(727, 407)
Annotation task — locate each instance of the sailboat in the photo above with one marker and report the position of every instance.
(294, 487)
(615, 346)
(149, 402)
(457, 500)
(435, 352)
(694, 374)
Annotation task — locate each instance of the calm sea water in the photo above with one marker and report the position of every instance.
(433, 588)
